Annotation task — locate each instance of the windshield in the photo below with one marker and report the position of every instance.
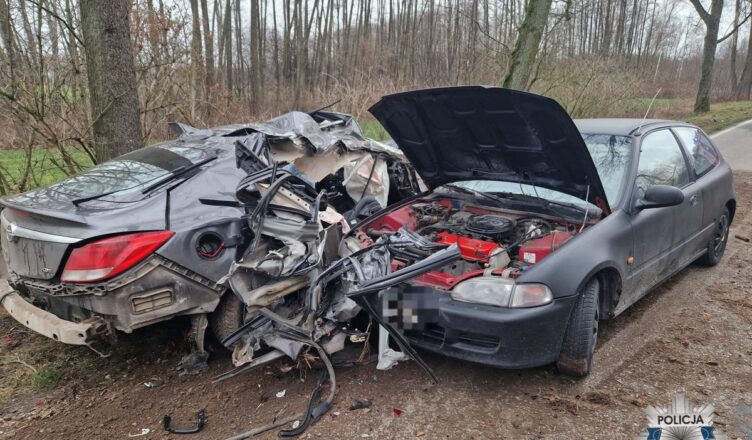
(610, 154)
(131, 170)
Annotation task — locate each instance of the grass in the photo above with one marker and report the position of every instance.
(722, 115)
(374, 130)
(46, 165)
(30, 362)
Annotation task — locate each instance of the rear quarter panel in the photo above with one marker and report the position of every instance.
(717, 189)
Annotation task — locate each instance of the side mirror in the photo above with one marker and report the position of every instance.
(660, 196)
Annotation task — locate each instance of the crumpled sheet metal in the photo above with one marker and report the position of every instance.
(367, 177)
(303, 130)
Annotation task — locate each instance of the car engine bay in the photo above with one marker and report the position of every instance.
(491, 241)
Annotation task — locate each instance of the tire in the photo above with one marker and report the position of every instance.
(576, 355)
(717, 243)
(227, 317)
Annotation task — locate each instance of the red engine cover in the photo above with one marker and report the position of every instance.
(535, 250)
(470, 248)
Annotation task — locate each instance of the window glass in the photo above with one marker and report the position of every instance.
(661, 162)
(131, 170)
(610, 155)
(702, 155)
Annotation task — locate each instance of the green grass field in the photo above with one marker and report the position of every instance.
(722, 115)
(46, 166)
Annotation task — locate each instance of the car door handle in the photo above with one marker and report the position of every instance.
(693, 200)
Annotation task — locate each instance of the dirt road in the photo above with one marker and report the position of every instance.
(693, 335)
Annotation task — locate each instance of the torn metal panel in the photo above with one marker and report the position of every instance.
(368, 176)
(303, 130)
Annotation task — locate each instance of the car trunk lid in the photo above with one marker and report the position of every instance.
(489, 133)
(30, 252)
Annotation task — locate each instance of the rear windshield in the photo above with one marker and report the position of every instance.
(131, 170)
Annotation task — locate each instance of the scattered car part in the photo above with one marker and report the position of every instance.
(201, 420)
(388, 357)
(143, 432)
(360, 404)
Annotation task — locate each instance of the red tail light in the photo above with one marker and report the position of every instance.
(111, 256)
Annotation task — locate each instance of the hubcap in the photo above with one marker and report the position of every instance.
(595, 325)
(721, 232)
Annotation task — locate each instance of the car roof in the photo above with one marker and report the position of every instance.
(620, 126)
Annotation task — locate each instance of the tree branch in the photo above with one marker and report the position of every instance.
(60, 19)
(736, 28)
(704, 15)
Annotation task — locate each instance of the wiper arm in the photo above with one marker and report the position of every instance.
(546, 202)
(177, 172)
(77, 202)
(174, 174)
(474, 192)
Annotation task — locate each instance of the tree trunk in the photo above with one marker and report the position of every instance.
(255, 41)
(209, 53)
(227, 34)
(745, 82)
(196, 60)
(734, 43)
(112, 77)
(712, 23)
(526, 46)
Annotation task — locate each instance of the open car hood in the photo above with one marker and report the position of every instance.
(490, 133)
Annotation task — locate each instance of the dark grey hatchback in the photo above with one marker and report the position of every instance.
(558, 223)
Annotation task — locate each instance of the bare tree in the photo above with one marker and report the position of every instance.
(527, 44)
(745, 81)
(111, 77)
(712, 22)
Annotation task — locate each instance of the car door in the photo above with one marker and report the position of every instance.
(704, 158)
(656, 231)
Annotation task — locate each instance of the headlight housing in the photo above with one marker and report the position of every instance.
(501, 292)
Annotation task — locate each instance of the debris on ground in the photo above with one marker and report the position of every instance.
(200, 422)
(360, 404)
(154, 383)
(144, 431)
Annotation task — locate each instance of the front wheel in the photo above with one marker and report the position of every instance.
(576, 355)
(717, 244)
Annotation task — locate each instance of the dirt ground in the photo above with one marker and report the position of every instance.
(693, 335)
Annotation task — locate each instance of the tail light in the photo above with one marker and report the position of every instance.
(111, 256)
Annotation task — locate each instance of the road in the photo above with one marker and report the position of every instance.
(735, 144)
(692, 335)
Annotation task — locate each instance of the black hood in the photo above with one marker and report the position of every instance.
(489, 133)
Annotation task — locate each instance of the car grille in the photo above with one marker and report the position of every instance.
(433, 334)
(436, 335)
(478, 342)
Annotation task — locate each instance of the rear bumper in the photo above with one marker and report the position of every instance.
(155, 290)
(47, 324)
(496, 336)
